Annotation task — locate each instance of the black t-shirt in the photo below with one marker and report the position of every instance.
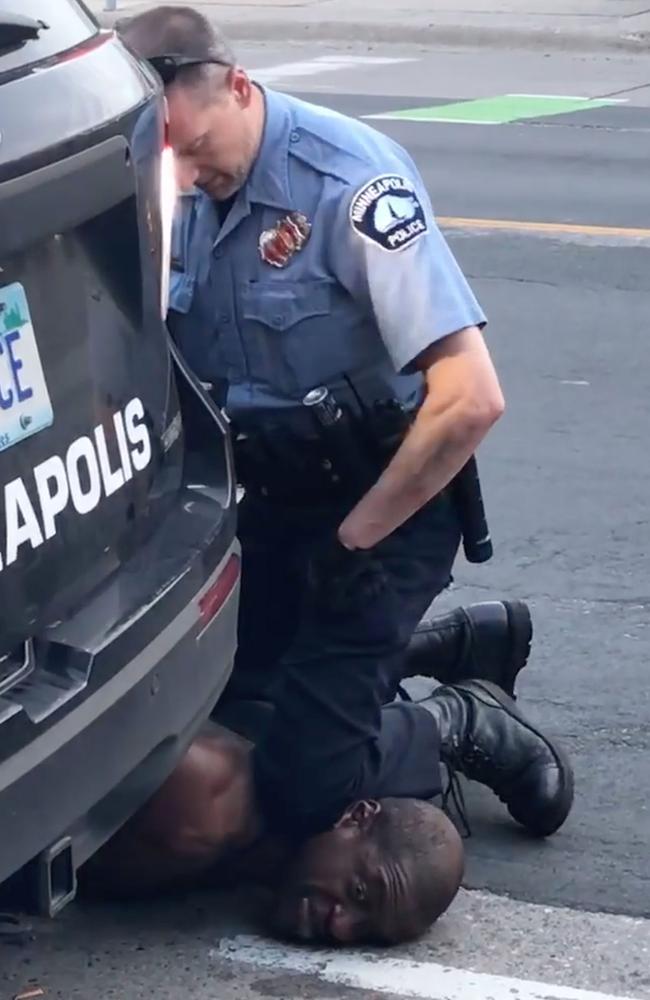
(223, 207)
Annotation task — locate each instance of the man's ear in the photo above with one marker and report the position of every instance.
(241, 86)
(361, 814)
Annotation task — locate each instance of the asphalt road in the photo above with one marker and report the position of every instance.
(567, 482)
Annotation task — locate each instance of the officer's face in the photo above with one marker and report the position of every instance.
(215, 135)
(341, 889)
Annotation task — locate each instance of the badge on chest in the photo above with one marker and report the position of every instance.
(278, 245)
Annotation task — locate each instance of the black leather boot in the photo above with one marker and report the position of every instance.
(490, 641)
(485, 737)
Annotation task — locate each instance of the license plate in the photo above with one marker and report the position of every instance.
(25, 406)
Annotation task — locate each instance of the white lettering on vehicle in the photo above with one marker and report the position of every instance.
(113, 478)
(54, 500)
(84, 475)
(22, 523)
(120, 434)
(137, 434)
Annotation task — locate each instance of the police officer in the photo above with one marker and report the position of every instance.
(308, 268)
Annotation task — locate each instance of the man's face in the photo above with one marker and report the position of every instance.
(339, 889)
(213, 135)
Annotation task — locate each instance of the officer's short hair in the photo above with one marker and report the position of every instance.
(423, 840)
(181, 31)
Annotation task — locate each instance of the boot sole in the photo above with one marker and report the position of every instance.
(520, 624)
(556, 817)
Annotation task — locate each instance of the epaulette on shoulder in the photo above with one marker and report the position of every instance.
(325, 155)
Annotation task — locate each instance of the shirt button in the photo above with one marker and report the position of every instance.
(294, 137)
(225, 319)
(218, 253)
(278, 320)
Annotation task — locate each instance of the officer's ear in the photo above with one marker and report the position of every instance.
(360, 814)
(241, 87)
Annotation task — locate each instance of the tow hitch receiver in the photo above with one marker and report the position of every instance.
(56, 878)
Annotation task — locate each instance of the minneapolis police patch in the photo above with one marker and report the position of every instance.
(388, 212)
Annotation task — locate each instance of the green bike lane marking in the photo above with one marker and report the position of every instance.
(499, 110)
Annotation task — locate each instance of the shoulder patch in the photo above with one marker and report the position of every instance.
(388, 212)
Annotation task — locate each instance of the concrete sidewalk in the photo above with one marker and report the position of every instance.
(578, 25)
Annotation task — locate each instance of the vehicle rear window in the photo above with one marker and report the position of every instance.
(69, 24)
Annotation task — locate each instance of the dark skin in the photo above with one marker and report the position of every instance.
(203, 828)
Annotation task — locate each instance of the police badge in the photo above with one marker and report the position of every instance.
(278, 245)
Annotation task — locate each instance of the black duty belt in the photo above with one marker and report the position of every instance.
(289, 470)
(342, 461)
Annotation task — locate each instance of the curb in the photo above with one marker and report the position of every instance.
(422, 34)
(432, 35)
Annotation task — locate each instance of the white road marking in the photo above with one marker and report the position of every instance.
(399, 977)
(566, 97)
(390, 116)
(323, 64)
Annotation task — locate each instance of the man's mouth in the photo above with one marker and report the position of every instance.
(313, 922)
(214, 181)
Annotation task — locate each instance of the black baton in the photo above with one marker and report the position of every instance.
(468, 499)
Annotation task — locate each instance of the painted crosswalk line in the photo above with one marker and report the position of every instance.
(321, 64)
(398, 977)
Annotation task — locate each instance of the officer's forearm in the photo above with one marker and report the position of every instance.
(436, 448)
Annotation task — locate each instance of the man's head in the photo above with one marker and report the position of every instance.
(384, 874)
(216, 115)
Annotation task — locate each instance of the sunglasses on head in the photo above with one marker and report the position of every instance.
(169, 66)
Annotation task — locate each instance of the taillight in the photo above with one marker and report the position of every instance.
(84, 47)
(167, 204)
(217, 595)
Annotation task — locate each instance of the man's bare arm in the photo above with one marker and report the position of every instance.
(463, 401)
(202, 814)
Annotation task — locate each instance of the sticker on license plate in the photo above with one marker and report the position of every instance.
(25, 406)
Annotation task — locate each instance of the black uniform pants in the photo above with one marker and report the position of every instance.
(334, 736)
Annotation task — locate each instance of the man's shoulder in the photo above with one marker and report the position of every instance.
(342, 147)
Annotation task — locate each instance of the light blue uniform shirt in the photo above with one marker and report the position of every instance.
(372, 287)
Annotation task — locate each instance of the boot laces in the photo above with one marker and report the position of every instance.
(454, 792)
(477, 765)
(454, 764)
(473, 762)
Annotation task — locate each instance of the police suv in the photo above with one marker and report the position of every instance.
(119, 567)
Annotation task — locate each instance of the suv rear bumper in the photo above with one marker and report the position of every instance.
(86, 774)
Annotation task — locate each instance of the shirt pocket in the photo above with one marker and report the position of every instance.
(285, 327)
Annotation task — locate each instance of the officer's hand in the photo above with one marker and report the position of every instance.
(341, 580)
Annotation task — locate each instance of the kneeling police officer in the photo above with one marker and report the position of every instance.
(313, 290)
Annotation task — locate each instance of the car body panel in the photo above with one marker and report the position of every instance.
(119, 565)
